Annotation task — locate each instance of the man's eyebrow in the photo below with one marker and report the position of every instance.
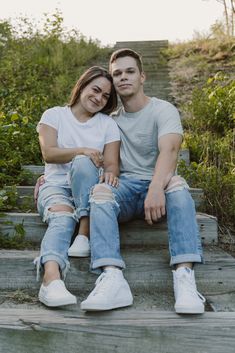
(127, 68)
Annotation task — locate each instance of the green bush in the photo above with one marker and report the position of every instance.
(38, 69)
(210, 137)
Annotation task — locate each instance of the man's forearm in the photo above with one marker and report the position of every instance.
(164, 169)
(111, 168)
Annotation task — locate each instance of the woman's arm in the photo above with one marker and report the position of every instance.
(53, 154)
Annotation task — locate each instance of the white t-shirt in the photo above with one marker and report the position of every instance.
(95, 133)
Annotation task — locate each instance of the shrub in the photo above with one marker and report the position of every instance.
(210, 137)
(38, 68)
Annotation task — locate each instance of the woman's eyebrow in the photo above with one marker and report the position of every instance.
(100, 90)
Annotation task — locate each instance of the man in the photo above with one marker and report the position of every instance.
(151, 136)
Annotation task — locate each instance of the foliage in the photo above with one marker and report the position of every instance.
(15, 241)
(38, 69)
(192, 63)
(210, 137)
(8, 198)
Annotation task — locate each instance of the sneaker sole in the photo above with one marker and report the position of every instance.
(79, 254)
(98, 307)
(184, 310)
(59, 302)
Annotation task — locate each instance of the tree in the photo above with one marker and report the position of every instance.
(229, 15)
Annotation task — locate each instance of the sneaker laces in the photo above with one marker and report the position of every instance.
(103, 283)
(187, 284)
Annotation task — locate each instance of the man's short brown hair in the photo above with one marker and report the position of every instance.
(121, 53)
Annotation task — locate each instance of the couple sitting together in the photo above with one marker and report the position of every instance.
(83, 183)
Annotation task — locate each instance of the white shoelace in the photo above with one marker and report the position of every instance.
(102, 283)
(188, 284)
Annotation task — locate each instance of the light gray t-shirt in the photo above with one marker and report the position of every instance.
(140, 132)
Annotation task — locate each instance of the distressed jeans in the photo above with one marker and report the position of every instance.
(61, 225)
(127, 203)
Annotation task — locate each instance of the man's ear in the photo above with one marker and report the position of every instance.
(142, 77)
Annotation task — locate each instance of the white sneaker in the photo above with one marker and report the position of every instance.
(80, 247)
(187, 299)
(56, 294)
(111, 291)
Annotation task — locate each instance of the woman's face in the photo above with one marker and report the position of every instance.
(95, 95)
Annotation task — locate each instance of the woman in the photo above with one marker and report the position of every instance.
(78, 142)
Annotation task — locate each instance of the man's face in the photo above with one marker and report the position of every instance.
(127, 79)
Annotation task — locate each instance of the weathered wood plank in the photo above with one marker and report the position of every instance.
(135, 233)
(136, 332)
(146, 270)
(26, 201)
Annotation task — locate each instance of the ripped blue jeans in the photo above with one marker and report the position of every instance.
(61, 224)
(127, 202)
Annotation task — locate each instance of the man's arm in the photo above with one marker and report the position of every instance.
(111, 163)
(169, 146)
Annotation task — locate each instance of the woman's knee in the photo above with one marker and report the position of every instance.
(82, 164)
(60, 208)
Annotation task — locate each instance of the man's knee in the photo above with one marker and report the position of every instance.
(102, 193)
(176, 183)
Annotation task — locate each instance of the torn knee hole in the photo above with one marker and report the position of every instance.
(176, 183)
(60, 208)
(102, 193)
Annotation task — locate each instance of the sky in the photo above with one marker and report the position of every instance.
(124, 20)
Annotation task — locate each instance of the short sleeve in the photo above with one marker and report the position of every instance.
(169, 121)
(50, 117)
(112, 131)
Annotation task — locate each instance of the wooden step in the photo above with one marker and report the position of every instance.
(59, 331)
(26, 202)
(135, 233)
(146, 270)
(32, 327)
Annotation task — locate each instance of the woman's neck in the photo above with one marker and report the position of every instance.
(80, 114)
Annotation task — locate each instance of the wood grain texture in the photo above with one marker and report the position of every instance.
(147, 270)
(130, 332)
(134, 233)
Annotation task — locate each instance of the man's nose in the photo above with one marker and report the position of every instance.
(123, 76)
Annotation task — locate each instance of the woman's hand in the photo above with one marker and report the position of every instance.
(95, 155)
(109, 178)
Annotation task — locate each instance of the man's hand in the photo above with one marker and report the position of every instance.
(109, 178)
(154, 205)
(40, 181)
(95, 155)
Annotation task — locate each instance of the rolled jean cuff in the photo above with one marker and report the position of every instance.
(64, 264)
(179, 259)
(81, 212)
(97, 265)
